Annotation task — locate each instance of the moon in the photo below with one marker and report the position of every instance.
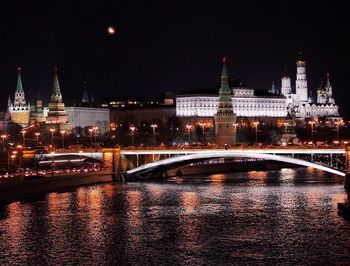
(111, 30)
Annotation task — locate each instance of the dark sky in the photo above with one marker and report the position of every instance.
(169, 45)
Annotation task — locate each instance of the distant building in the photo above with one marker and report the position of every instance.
(89, 117)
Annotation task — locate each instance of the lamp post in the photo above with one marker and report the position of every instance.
(62, 133)
(52, 130)
(37, 134)
(52, 162)
(13, 156)
(91, 130)
(20, 157)
(24, 137)
(3, 137)
(132, 128)
(256, 123)
(189, 132)
(203, 130)
(95, 130)
(285, 127)
(338, 123)
(154, 126)
(311, 123)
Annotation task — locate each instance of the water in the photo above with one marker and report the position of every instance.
(284, 217)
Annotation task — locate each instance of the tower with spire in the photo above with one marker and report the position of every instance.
(301, 81)
(324, 93)
(225, 118)
(57, 115)
(19, 110)
(273, 88)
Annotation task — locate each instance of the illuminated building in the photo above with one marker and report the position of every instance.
(56, 115)
(250, 104)
(19, 110)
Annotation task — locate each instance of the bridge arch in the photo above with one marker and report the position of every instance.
(228, 154)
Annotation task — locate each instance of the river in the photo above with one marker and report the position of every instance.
(284, 217)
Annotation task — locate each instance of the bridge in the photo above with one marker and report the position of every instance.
(141, 162)
(164, 159)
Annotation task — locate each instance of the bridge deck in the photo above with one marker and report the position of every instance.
(243, 151)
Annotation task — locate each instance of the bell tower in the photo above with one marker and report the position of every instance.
(301, 82)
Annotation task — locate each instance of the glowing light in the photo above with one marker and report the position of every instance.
(111, 30)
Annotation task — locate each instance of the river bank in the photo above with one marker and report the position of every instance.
(19, 189)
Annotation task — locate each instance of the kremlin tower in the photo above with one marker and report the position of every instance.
(225, 118)
(19, 111)
(57, 115)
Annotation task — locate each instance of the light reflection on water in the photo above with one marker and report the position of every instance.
(284, 217)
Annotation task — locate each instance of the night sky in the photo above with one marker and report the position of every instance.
(169, 45)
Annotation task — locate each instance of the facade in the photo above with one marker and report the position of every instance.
(244, 101)
(89, 117)
(19, 110)
(142, 115)
(250, 104)
(225, 118)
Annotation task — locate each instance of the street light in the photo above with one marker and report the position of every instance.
(311, 123)
(189, 132)
(91, 130)
(62, 133)
(256, 123)
(338, 123)
(285, 127)
(13, 156)
(154, 126)
(203, 125)
(95, 129)
(52, 130)
(3, 141)
(52, 162)
(19, 156)
(24, 137)
(37, 134)
(132, 128)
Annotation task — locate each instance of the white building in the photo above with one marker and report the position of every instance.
(244, 102)
(248, 103)
(305, 106)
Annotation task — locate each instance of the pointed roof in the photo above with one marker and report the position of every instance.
(19, 86)
(56, 85)
(328, 84)
(300, 57)
(224, 69)
(224, 91)
(273, 89)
